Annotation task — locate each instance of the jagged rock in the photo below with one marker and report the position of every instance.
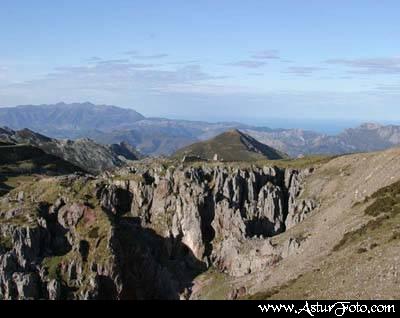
(92, 291)
(20, 196)
(54, 289)
(240, 204)
(238, 258)
(116, 200)
(70, 215)
(237, 293)
(83, 154)
(27, 245)
(13, 213)
(27, 285)
(268, 215)
(8, 263)
(299, 212)
(297, 209)
(291, 246)
(227, 222)
(57, 206)
(42, 222)
(8, 289)
(72, 271)
(182, 220)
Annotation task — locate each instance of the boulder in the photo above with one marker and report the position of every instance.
(70, 215)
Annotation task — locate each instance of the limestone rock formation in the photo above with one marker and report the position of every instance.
(145, 232)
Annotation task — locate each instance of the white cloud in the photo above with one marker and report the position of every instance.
(118, 78)
(137, 55)
(266, 55)
(302, 70)
(382, 65)
(248, 64)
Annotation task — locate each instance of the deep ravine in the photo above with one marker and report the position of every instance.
(144, 233)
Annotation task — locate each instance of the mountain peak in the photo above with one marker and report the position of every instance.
(31, 135)
(232, 145)
(54, 120)
(233, 132)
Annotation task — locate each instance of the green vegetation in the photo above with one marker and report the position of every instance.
(359, 234)
(300, 163)
(94, 233)
(272, 291)
(21, 159)
(231, 146)
(387, 200)
(127, 177)
(19, 163)
(93, 228)
(216, 284)
(52, 264)
(376, 237)
(385, 209)
(6, 243)
(162, 165)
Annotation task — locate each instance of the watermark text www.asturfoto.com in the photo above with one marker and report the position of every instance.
(338, 308)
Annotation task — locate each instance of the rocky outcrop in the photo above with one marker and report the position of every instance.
(215, 211)
(298, 207)
(115, 200)
(83, 153)
(146, 233)
(18, 264)
(70, 215)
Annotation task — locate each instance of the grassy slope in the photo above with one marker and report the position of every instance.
(95, 232)
(364, 261)
(19, 163)
(230, 147)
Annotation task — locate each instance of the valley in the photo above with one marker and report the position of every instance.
(225, 218)
(163, 137)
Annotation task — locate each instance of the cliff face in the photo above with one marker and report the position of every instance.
(145, 233)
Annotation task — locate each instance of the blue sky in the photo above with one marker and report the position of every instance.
(216, 60)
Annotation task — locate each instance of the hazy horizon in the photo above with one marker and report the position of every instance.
(329, 126)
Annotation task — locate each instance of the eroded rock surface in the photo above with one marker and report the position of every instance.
(146, 233)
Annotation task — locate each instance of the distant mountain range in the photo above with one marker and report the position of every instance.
(232, 145)
(160, 136)
(67, 120)
(365, 138)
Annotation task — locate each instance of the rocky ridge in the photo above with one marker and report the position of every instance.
(145, 233)
(84, 153)
(160, 136)
(233, 145)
